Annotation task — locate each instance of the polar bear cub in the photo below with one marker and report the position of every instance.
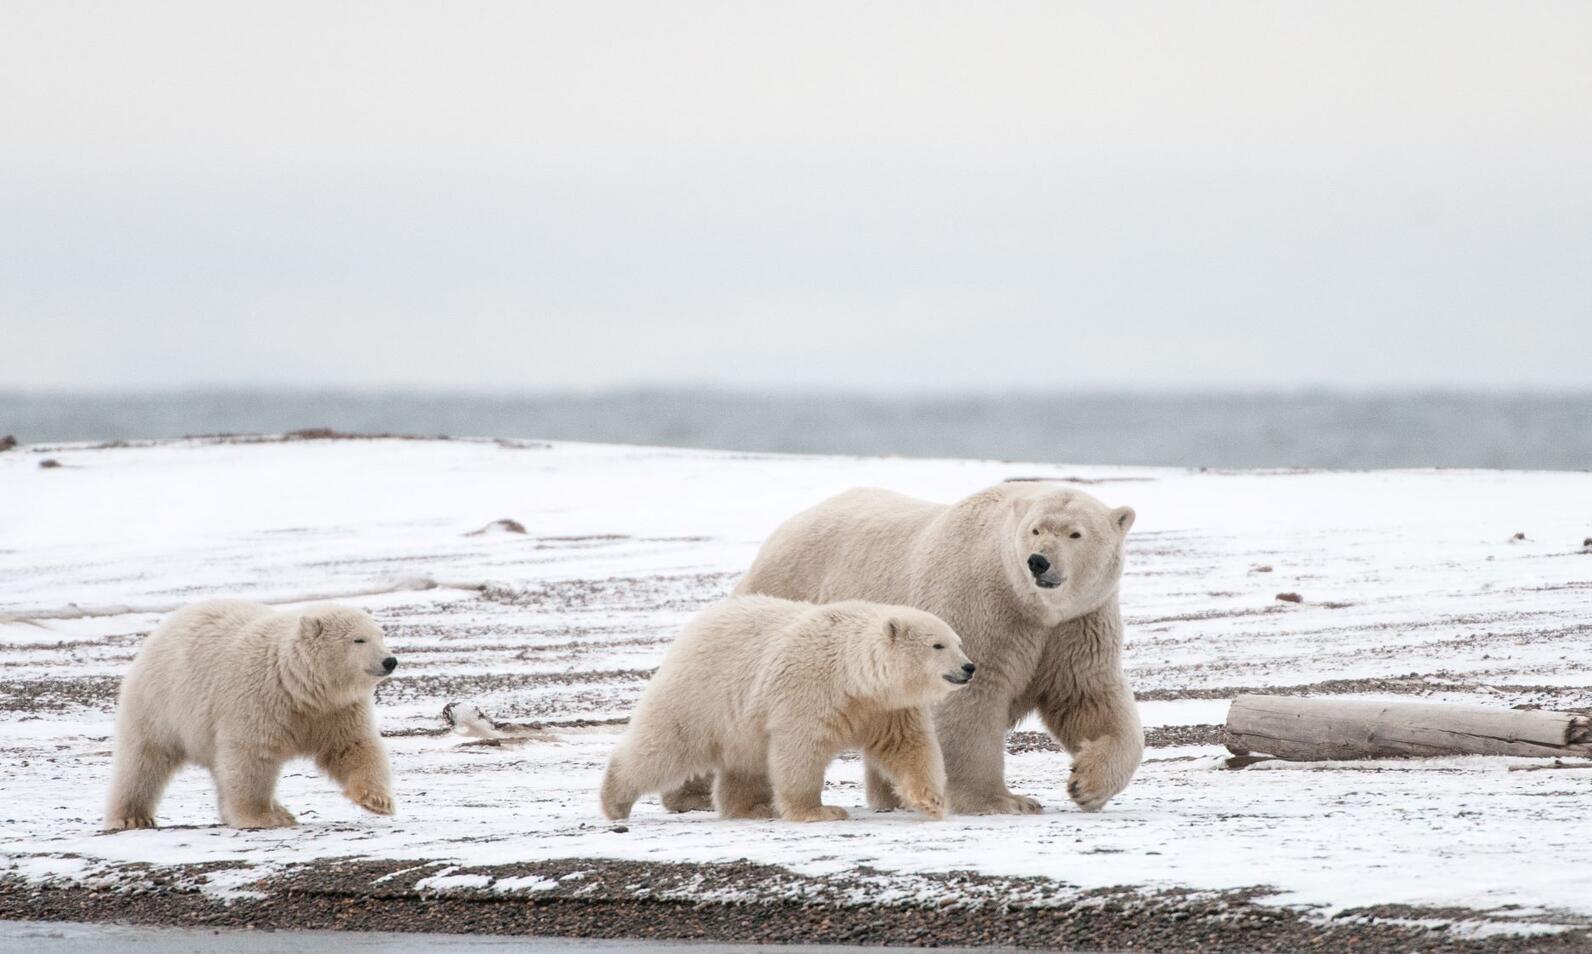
(765, 692)
(241, 688)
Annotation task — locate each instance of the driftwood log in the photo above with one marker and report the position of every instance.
(1313, 730)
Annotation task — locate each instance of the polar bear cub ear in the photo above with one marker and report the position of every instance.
(309, 627)
(1123, 517)
(895, 629)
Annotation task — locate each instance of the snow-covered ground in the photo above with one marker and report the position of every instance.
(1412, 582)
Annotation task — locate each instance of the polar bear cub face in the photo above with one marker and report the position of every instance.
(922, 660)
(1066, 550)
(345, 646)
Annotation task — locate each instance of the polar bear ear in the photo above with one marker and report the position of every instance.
(309, 627)
(894, 629)
(1123, 517)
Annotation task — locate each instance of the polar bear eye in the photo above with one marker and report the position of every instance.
(359, 640)
(939, 645)
(1036, 531)
(1075, 534)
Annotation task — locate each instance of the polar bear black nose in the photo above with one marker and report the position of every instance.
(390, 663)
(1037, 563)
(969, 668)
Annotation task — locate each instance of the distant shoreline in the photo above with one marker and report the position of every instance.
(1315, 429)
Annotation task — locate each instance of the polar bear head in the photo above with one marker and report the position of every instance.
(1063, 551)
(342, 651)
(916, 658)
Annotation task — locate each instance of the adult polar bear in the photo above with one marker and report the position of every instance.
(1027, 575)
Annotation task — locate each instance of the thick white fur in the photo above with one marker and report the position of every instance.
(240, 688)
(766, 692)
(1057, 651)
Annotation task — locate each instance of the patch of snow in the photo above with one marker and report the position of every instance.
(450, 882)
(527, 883)
(47, 867)
(228, 884)
(1469, 930)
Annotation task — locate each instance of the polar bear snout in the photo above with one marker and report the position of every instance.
(387, 666)
(1045, 575)
(962, 677)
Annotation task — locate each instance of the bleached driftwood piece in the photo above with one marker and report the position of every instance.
(467, 718)
(1311, 730)
(1557, 766)
(73, 611)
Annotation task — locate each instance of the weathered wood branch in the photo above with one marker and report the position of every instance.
(73, 611)
(1310, 730)
(1557, 766)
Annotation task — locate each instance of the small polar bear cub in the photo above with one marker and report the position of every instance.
(765, 692)
(241, 688)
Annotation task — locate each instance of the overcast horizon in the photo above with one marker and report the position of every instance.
(886, 198)
(798, 391)
(1187, 429)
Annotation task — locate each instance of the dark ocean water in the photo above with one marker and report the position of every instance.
(1294, 429)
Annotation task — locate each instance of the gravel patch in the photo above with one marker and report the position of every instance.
(607, 899)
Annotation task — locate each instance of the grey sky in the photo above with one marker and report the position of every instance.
(880, 196)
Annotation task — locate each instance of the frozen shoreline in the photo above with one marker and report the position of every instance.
(1411, 580)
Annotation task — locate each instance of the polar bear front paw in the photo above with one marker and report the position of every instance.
(1004, 803)
(761, 810)
(1099, 772)
(276, 817)
(929, 801)
(371, 800)
(130, 821)
(822, 813)
(1089, 796)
